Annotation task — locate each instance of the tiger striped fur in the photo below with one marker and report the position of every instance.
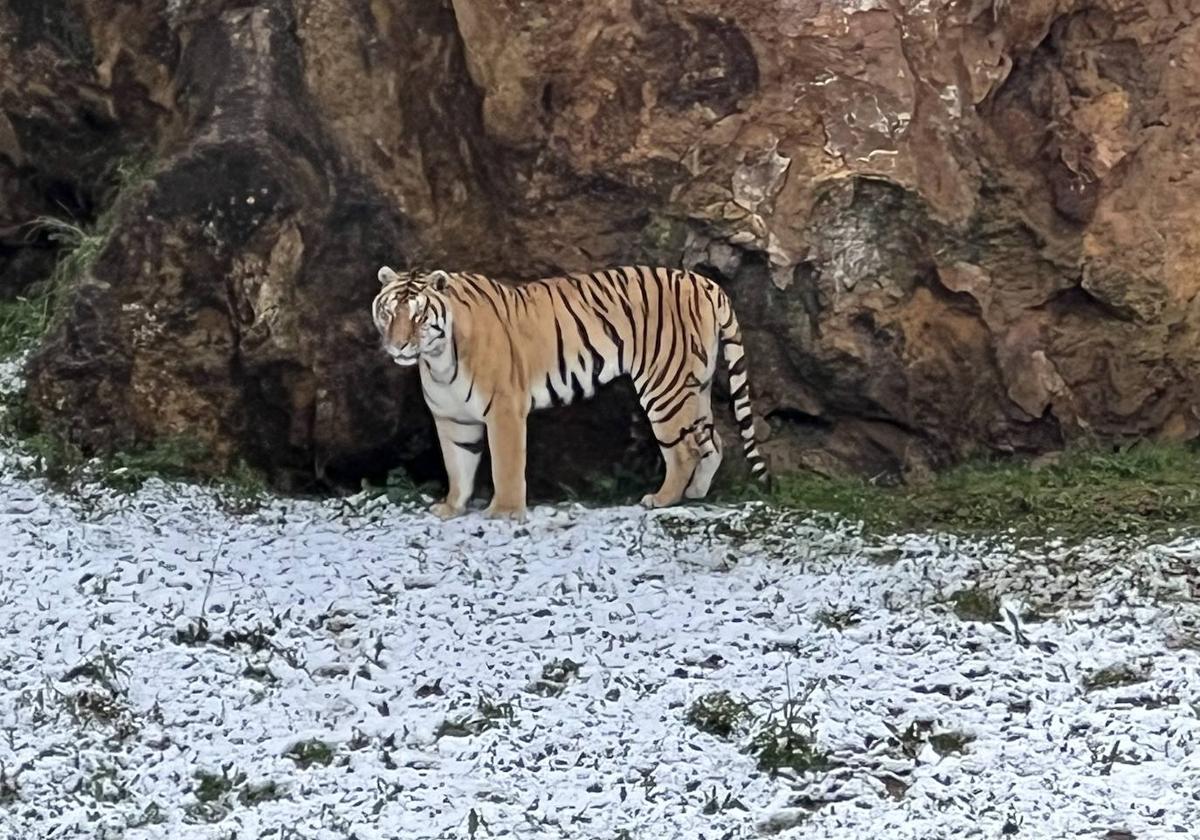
(489, 353)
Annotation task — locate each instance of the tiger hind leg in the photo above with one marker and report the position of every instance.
(682, 459)
(711, 450)
(684, 445)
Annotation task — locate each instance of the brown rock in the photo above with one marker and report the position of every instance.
(948, 226)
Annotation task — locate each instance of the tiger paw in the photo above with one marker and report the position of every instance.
(652, 501)
(444, 510)
(517, 514)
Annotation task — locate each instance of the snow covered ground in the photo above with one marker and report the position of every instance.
(480, 679)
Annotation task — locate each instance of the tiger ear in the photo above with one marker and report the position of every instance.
(438, 280)
(386, 275)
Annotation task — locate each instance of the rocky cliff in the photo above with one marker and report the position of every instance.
(948, 226)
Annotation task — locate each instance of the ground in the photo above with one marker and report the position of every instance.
(351, 668)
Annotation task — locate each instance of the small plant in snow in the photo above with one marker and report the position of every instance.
(975, 604)
(839, 619)
(218, 794)
(310, 752)
(555, 676)
(719, 714)
(1115, 676)
(784, 740)
(488, 714)
(9, 792)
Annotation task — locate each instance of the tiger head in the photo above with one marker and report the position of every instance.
(411, 314)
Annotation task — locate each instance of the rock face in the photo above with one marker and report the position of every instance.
(948, 226)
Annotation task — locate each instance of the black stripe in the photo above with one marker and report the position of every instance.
(597, 357)
(454, 353)
(562, 355)
(644, 349)
(495, 308)
(687, 395)
(675, 442)
(577, 392)
(742, 391)
(627, 367)
(488, 407)
(555, 399)
(473, 446)
(738, 368)
(673, 386)
(658, 325)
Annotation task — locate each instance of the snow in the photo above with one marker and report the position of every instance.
(379, 623)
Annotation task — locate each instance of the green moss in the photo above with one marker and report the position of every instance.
(170, 458)
(1143, 489)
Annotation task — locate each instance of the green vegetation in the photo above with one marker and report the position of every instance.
(216, 795)
(311, 752)
(1146, 488)
(974, 604)
(240, 488)
(784, 740)
(400, 489)
(9, 791)
(950, 743)
(556, 675)
(487, 714)
(719, 714)
(25, 319)
(1114, 676)
(839, 619)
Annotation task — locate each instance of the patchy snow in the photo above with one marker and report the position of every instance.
(368, 627)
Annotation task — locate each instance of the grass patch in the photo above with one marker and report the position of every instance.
(1114, 676)
(310, 753)
(839, 619)
(172, 459)
(10, 792)
(178, 458)
(25, 319)
(555, 677)
(487, 714)
(1136, 490)
(217, 794)
(400, 489)
(950, 743)
(974, 604)
(719, 714)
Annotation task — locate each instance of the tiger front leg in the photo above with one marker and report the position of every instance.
(462, 448)
(506, 442)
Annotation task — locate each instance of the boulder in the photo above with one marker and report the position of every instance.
(949, 227)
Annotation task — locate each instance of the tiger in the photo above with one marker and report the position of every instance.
(489, 353)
